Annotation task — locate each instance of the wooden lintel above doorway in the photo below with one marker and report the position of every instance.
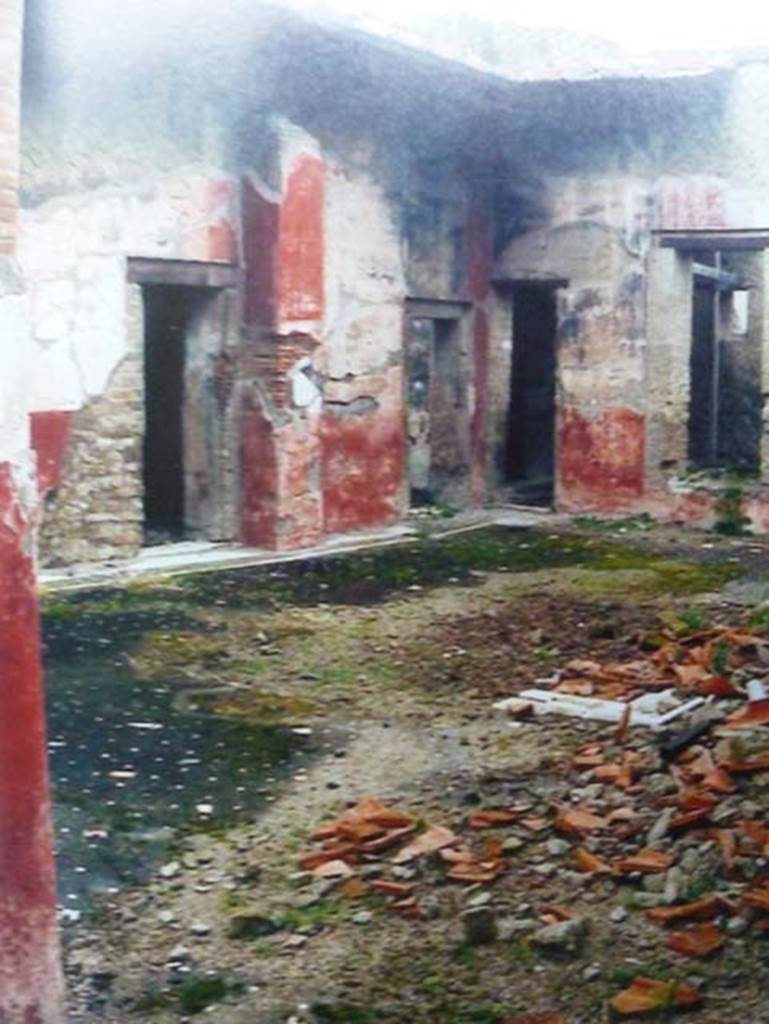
(190, 273)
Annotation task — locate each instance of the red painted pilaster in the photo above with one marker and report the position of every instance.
(30, 980)
(30, 974)
(283, 245)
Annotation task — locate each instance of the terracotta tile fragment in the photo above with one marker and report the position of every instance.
(648, 995)
(701, 940)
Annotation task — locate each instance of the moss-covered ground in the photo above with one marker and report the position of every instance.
(271, 697)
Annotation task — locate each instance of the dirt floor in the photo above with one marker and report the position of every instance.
(373, 676)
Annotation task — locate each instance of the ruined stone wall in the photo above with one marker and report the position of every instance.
(601, 382)
(121, 160)
(662, 157)
(330, 259)
(87, 385)
(336, 212)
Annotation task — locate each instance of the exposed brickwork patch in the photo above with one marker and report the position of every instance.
(96, 512)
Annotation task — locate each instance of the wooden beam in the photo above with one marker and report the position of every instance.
(724, 280)
(437, 309)
(748, 239)
(190, 273)
(516, 283)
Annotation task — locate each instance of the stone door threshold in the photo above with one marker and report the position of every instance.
(205, 556)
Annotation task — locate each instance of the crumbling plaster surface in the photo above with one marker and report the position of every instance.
(74, 250)
(569, 180)
(14, 347)
(160, 166)
(596, 240)
(361, 359)
(624, 317)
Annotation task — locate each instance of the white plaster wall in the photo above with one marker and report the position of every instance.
(14, 353)
(73, 253)
(365, 282)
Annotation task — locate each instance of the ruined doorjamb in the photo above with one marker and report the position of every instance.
(707, 359)
(725, 396)
(186, 337)
(437, 410)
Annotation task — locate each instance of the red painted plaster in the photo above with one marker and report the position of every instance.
(301, 241)
(258, 479)
(300, 514)
(692, 205)
(363, 470)
(222, 243)
(600, 459)
(283, 248)
(29, 972)
(50, 438)
(260, 232)
(479, 252)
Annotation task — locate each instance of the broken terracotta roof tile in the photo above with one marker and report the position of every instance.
(577, 820)
(701, 909)
(492, 818)
(433, 839)
(700, 940)
(648, 995)
(589, 863)
(647, 862)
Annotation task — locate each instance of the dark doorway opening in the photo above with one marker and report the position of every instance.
(529, 467)
(703, 376)
(166, 318)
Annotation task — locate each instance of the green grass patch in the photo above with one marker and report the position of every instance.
(198, 992)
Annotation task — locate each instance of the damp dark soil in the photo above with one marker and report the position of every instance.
(213, 720)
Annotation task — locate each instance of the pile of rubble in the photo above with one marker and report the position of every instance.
(671, 820)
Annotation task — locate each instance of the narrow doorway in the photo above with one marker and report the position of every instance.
(725, 395)
(436, 411)
(530, 449)
(166, 318)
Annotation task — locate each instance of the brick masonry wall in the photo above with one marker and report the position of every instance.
(96, 511)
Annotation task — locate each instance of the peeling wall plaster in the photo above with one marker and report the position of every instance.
(73, 253)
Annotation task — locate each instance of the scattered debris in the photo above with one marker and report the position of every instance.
(537, 1018)
(700, 940)
(563, 937)
(647, 995)
(479, 925)
(652, 710)
(613, 831)
(435, 838)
